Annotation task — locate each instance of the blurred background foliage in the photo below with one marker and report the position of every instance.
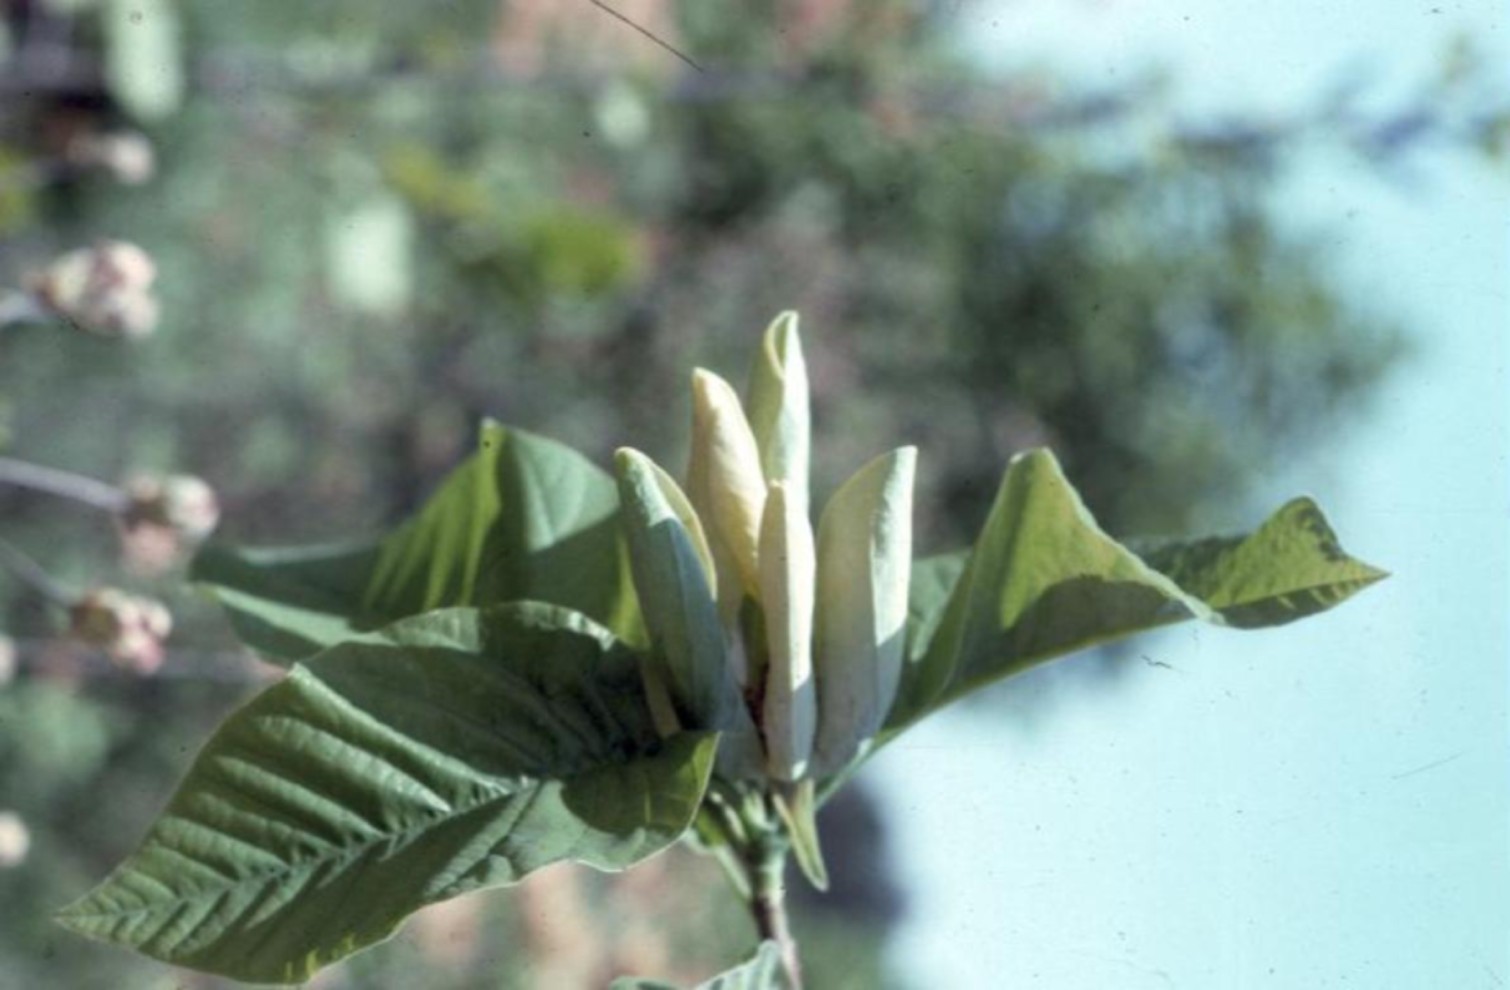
(377, 223)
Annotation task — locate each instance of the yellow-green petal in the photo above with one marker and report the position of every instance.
(728, 486)
(864, 564)
(780, 416)
(671, 578)
(787, 573)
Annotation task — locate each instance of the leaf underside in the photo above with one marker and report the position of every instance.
(1044, 580)
(456, 750)
(524, 518)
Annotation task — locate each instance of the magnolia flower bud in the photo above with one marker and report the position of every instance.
(104, 289)
(673, 577)
(129, 629)
(789, 712)
(728, 487)
(779, 413)
(864, 565)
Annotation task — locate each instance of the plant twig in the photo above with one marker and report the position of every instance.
(767, 870)
(32, 574)
(63, 484)
(18, 307)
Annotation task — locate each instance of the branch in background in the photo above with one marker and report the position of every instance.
(1463, 108)
(65, 484)
(129, 629)
(17, 308)
(32, 574)
(158, 516)
(41, 656)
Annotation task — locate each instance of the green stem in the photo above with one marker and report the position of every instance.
(722, 846)
(767, 869)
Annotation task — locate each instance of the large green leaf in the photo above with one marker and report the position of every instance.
(928, 591)
(460, 749)
(1043, 580)
(524, 518)
(292, 602)
(762, 971)
(1290, 567)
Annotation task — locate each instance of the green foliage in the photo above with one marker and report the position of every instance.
(459, 749)
(990, 288)
(524, 518)
(17, 202)
(578, 252)
(1044, 580)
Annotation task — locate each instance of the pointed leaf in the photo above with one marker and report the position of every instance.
(932, 582)
(524, 518)
(1044, 580)
(466, 749)
(798, 808)
(1290, 567)
(292, 602)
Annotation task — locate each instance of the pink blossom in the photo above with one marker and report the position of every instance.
(105, 289)
(163, 515)
(130, 629)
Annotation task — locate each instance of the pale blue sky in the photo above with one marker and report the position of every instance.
(1320, 805)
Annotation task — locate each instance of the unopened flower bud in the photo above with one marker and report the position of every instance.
(180, 502)
(789, 712)
(864, 567)
(130, 630)
(104, 289)
(727, 486)
(164, 516)
(779, 407)
(15, 840)
(673, 579)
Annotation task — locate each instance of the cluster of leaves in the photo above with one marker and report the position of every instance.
(1148, 315)
(469, 707)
